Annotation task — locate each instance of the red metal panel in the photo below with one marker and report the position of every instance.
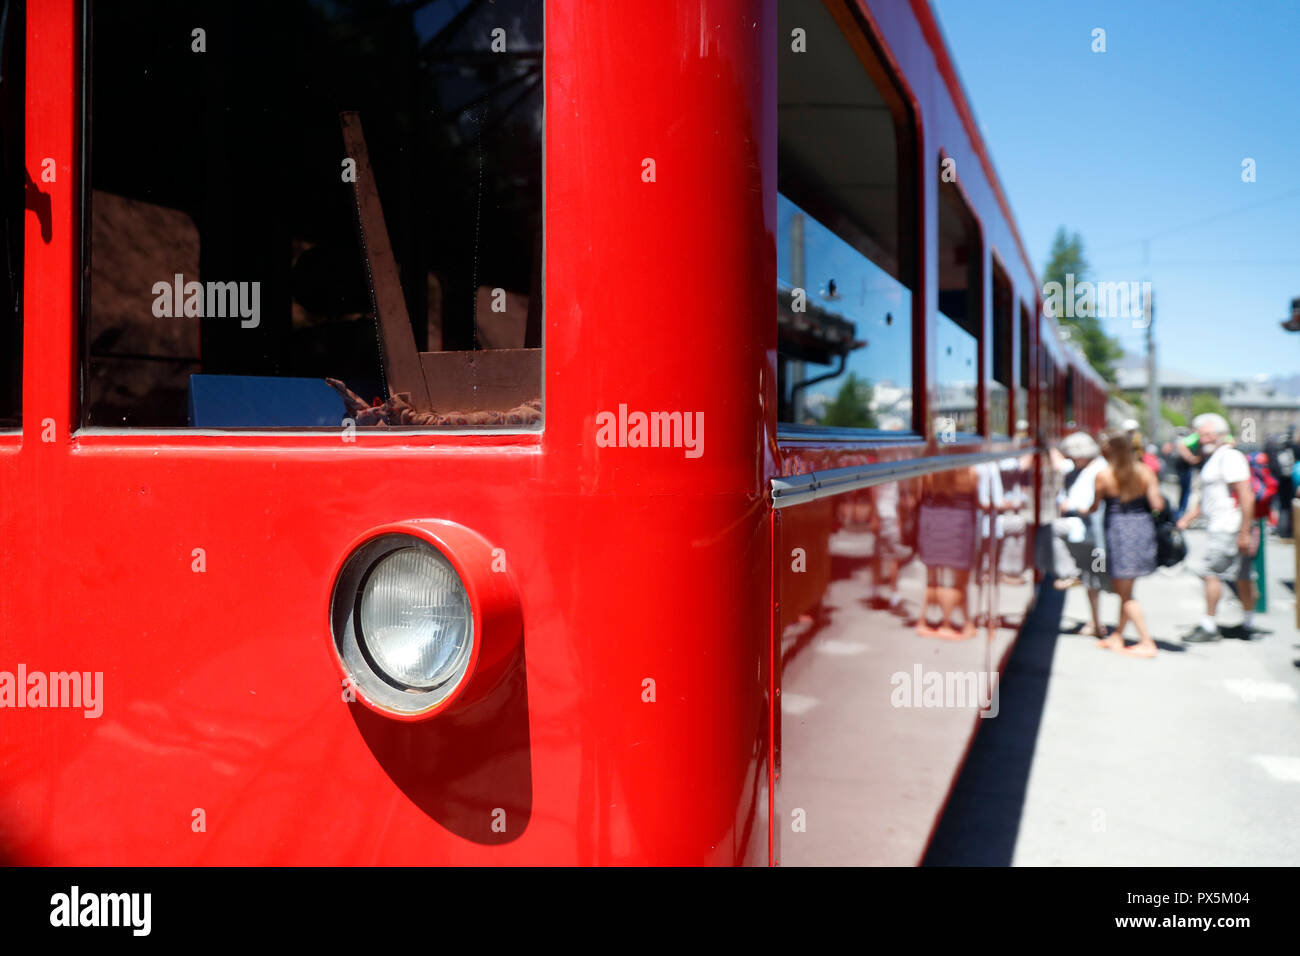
(867, 779)
(632, 564)
(867, 758)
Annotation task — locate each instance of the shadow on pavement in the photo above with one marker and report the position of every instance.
(982, 819)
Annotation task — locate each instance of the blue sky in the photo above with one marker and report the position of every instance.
(1147, 140)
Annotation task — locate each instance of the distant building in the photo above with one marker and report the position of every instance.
(1176, 388)
(1273, 412)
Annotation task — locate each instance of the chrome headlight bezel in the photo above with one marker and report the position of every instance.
(380, 688)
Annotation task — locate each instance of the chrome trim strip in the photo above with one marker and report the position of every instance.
(799, 489)
(788, 432)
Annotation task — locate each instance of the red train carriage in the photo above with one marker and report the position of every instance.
(405, 461)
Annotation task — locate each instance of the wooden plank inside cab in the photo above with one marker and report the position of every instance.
(397, 340)
(493, 380)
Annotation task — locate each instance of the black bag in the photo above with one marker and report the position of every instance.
(1171, 549)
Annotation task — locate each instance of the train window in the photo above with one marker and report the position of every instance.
(959, 321)
(1055, 409)
(1022, 381)
(1046, 393)
(1070, 419)
(314, 213)
(846, 217)
(14, 186)
(1001, 347)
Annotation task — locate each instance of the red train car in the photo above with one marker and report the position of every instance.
(406, 461)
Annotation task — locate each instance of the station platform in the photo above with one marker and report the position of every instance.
(1097, 759)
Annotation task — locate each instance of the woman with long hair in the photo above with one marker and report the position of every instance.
(1131, 492)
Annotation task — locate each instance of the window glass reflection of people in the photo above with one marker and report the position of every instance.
(946, 546)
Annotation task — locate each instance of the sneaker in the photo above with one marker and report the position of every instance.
(1201, 636)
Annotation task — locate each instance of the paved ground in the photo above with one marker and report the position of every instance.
(1095, 759)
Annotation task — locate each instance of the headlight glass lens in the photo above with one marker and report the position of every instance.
(415, 618)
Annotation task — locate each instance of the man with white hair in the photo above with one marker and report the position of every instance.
(1076, 551)
(1228, 503)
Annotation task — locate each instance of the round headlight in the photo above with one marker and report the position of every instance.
(415, 619)
(405, 624)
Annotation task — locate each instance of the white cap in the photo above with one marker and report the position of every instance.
(1130, 425)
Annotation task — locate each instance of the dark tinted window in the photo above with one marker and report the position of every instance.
(1070, 420)
(307, 211)
(1022, 382)
(1048, 403)
(1001, 348)
(14, 184)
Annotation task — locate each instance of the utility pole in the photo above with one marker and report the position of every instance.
(1153, 384)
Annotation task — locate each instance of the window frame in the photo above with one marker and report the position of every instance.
(1024, 371)
(883, 72)
(372, 436)
(15, 35)
(977, 270)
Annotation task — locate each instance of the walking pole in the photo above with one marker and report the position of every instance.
(1261, 572)
(1295, 526)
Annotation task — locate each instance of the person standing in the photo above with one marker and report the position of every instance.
(1076, 539)
(1295, 475)
(1131, 492)
(1188, 450)
(1152, 460)
(1282, 460)
(1228, 504)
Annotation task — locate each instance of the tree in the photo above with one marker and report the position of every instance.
(851, 407)
(1204, 402)
(1101, 350)
(1170, 414)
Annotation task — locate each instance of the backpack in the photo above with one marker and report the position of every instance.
(1262, 483)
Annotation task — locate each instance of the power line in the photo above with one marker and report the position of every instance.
(1205, 221)
(1198, 263)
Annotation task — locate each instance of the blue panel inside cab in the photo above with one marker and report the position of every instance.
(255, 401)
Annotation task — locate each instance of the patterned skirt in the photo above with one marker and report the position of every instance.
(1130, 543)
(947, 533)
